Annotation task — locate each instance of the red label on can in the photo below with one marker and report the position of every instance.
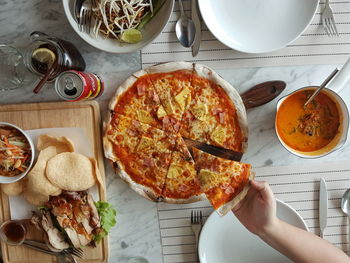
(90, 85)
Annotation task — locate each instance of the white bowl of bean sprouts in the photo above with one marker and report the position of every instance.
(113, 17)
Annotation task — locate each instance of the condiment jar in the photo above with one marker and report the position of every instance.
(12, 232)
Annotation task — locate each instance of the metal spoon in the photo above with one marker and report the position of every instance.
(185, 28)
(345, 203)
(330, 77)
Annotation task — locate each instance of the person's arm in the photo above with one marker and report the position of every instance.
(257, 212)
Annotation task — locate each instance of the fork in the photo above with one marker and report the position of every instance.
(196, 224)
(78, 252)
(84, 23)
(328, 21)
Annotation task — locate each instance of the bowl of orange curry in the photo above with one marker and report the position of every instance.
(316, 129)
(16, 153)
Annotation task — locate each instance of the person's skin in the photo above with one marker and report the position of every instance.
(257, 212)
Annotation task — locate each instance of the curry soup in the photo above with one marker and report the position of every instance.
(309, 128)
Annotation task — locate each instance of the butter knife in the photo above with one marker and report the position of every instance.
(197, 24)
(213, 150)
(323, 206)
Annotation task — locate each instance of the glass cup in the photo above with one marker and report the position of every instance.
(13, 72)
(12, 232)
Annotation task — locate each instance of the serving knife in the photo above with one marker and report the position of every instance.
(214, 150)
(323, 206)
(197, 24)
(256, 96)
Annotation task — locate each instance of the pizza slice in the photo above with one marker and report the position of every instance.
(224, 182)
(141, 154)
(138, 100)
(211, 116)
(181, 184)
(174, 90)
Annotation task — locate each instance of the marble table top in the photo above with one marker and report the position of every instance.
(137, 232)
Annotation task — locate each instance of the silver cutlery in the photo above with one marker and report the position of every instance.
(328, 79)
(85, 15)
(196, 224)
(197, 23)
(345, 204)
(323, 206)
(185, 29)
(42, 247)
(77, 6)
(328, 21)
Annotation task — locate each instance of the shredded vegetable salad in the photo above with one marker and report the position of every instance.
(113, 18)
(14, 152)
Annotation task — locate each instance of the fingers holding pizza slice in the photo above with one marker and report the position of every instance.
(224, 182)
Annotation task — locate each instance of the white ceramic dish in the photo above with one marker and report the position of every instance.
(226, 240)
(12, 179)
(333, 89)
(253, 26)
(149, 32)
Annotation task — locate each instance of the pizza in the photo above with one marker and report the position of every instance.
(151, 113)
(224, 182)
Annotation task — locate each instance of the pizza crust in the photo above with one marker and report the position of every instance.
(224, 209)
(124, 87)
(169, 67)
(142, 190)
(206, 72)
(191, 199)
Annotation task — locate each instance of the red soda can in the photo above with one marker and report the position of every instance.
(75, 85)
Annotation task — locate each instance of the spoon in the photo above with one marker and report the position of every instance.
(328, 79)
(185, 28)
(345, 203)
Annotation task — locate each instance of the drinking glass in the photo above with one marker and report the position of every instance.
(13, 72)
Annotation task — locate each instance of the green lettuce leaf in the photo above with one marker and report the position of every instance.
(108, 218)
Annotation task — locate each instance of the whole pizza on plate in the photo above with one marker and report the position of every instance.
(151, 113)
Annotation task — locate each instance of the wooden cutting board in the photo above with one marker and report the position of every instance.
(85, 115)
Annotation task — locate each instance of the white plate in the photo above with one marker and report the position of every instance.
(257, 26)
(149, 32)
(226, 240)
(19, 207)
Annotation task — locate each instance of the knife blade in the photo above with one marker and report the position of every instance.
(197, 24)
(213, 150)
(323, 206)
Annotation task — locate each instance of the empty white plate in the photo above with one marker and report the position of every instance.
(226, 240)
(257, 26)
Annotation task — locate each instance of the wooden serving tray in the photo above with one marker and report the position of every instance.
(85, 115)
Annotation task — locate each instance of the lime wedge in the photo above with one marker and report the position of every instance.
(45, 56)
(132, 36)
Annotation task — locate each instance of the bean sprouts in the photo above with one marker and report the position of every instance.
(113, 17)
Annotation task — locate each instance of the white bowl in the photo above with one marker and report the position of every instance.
(257, 26)
(151, 30)
(12, 179)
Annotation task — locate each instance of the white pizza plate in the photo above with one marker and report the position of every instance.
(226, 240)
(257, 26)
(149, 32)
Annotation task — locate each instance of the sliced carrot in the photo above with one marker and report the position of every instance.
(20, 168)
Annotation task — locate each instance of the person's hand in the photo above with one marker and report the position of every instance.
(257, 211)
